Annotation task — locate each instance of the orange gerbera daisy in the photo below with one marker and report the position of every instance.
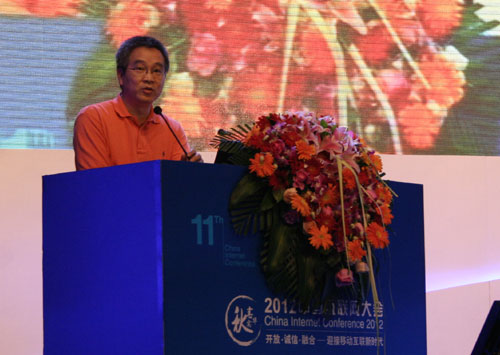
(377, 161)
(255, 131)
(439, 18)
(355, 250)
(383, 193)
(349, 179)
(386, 214)
(420, 124)
(377, 235)
(300, 205)
(320, 237)
(262, 164)
(447, 81)
(330, 196)
(305, 150)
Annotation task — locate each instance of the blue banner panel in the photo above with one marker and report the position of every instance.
(218, 301)
(142, 259)
(102, 262)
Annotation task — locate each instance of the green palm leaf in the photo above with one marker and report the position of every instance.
(245, 202)
(230, 146)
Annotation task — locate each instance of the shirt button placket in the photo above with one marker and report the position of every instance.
(142, 141)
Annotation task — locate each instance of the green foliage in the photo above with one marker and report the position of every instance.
(176, 40)
(245, 203)
(209, 86)
(278, 261)
(97, 8)
(472, 127)
(472, 26)
(307, 267)
(229, 143)
(95, 81)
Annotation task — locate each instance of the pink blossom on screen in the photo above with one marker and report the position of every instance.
(205, 54)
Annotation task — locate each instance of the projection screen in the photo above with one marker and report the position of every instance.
(409, 76)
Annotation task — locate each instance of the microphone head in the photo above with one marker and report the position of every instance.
(157, 110)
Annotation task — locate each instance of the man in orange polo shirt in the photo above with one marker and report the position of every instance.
(126, 129)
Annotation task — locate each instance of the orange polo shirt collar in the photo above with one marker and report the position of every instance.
(122, 112)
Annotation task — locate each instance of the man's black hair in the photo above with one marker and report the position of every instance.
(126, 48)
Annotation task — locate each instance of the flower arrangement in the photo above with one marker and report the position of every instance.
(315, 193)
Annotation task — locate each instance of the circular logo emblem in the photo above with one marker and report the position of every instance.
(241, 322)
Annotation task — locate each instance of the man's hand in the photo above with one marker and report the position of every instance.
(192, 156)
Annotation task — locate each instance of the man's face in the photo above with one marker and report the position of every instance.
(143, 79)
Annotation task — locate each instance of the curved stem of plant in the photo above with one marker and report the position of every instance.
(371, 274)
(342, 209)
(329, 32)
(292, 16)
(399, 43)
(380, 95)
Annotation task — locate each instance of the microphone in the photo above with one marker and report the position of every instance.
(157, 110)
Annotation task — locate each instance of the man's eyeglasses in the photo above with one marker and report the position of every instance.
(141, 71)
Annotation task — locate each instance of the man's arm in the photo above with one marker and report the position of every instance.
(89, 141)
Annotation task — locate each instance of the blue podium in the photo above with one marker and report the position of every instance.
(142, 259)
